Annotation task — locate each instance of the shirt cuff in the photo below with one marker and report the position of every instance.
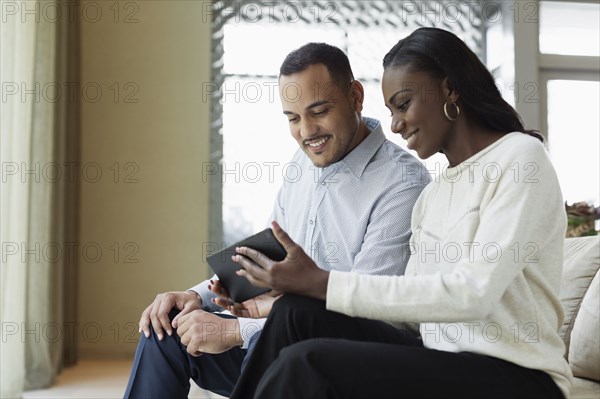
(199, 287)
(206, 295)
(249, 327)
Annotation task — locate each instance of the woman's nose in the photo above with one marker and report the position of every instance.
(397, 125)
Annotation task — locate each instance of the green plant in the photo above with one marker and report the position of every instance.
(581, 219)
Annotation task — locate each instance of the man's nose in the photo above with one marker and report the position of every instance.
(308, 128)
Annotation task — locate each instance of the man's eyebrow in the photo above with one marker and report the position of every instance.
(393, 96)
(317, 104)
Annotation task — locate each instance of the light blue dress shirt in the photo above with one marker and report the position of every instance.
(353, 215)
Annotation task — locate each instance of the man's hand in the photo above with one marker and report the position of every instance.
(296, 274)
(203, 332)
(254, 308)
(157, 313)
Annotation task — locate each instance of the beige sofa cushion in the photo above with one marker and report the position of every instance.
(581, 389)
(581, 263)
(584, 349)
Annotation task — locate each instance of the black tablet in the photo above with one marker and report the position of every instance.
(238, 287)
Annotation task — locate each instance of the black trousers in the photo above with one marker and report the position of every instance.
(306, 351)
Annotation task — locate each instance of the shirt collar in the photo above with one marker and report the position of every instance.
(358, 159)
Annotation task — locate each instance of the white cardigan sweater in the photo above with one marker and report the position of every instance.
(485, 265)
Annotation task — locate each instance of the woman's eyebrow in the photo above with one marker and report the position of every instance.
(393, 96)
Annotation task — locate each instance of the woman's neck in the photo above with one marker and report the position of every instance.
(467, 139)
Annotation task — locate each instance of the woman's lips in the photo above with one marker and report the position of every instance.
(410, 139)
(406, 136)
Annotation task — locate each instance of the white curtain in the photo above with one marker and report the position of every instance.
(33, 137)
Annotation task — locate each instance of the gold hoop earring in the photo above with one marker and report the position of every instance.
(448, 115)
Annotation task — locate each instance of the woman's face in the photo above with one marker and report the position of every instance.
(416, 100)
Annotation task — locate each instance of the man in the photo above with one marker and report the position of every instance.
(349, 209)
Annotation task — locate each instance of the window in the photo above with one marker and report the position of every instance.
(569, 28)
(545, 57)
(569, 47)
(573, 127)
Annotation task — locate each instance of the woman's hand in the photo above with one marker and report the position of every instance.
(254, 308)
(296, 274)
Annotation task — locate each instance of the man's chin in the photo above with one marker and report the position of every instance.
(321, 160)
(320, 163)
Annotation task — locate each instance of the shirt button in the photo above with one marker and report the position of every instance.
(311, 221)
(323, 183)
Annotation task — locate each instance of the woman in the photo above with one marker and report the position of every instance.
(483, 277)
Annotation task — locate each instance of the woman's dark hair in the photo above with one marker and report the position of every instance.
(442, 54)
(334, 59)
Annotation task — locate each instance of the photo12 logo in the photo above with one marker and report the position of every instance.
(69, 252)
(69, 332)
(70, 92)
(69, 172)
(58, 11)
(273, 11)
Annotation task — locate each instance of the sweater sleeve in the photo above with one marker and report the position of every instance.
(520, 219)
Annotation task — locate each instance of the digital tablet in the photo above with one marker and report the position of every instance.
(238, 287)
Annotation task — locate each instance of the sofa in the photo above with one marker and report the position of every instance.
(580, 297)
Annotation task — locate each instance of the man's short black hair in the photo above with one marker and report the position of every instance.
(334, 59)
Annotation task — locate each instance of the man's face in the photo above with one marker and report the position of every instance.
(323, 118)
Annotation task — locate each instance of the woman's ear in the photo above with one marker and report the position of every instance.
(450, 94)
(357, 94)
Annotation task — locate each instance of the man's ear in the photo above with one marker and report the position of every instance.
(450, 93)
(357, 94)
